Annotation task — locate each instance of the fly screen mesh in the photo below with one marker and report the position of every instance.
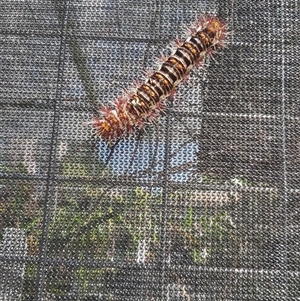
(201, 205)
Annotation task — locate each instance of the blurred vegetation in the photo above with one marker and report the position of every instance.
(115, 224)
(106, 223)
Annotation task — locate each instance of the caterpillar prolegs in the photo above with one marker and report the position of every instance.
(145, 102)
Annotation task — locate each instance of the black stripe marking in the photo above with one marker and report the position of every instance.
(156, 84)
(174, 69)
(144, 97)
(207, 43)
(165, 81)
(152, 98)
(159, 78)
(197, 43)
(181, 64)
(186, 56)
(169, 71)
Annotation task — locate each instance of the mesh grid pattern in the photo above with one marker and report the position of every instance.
(203, 205)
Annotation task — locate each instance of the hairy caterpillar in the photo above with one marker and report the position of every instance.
(145, 102)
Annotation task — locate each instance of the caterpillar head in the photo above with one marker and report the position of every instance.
(213, 31)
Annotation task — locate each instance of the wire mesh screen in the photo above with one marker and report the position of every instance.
(202, 205)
